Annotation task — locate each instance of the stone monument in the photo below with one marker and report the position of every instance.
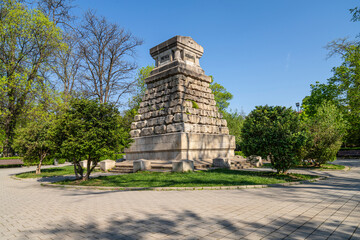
(178, 119)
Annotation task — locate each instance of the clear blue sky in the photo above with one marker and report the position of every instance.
(263, 52)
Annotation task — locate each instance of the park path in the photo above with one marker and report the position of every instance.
(327, 209)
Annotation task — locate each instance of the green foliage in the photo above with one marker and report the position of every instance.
(88, 128)
(34, 142)
(195, 105)
(235, 121)
(320, 93)
(222, 96)
(347, 79)
(326, 131)
(28, 39)
(342, 90)
(5, 158)
(142, 74)
(350, 148)
(239, 153)
(273, 131)
(2, 138)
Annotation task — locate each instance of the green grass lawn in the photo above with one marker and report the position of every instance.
(218, 177)
(326, 166)
(51, 172)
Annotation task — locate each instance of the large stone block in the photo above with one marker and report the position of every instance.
(183, 166)
(141, 165)
(255, 160)
(181, 145)
(222, 162)
(83, 164)
(135, 133)
(107, 165)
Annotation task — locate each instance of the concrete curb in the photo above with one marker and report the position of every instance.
(179, 188)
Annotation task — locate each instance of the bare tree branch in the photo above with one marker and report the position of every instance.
(107, 53)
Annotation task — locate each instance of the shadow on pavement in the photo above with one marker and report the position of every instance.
(189, 225)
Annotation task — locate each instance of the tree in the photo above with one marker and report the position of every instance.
(320, 93)
(222, 96)
(343, 89)
(87, 129)
(347, 79)
(28, 39)
(140, 87)
(326, 131)
(235, 121)
(34, 142)
(58, 11)
(65, 65)
(106, 50)
(275, 132)
(2, 139)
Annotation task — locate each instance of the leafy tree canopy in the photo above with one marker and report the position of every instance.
(275, 132)
(222, 96)
(326, 131)
(28, 39)
(88, 130)
(34, 142)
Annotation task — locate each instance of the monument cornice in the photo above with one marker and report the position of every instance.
(177, 67)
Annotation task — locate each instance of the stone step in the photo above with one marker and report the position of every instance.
(157, 166)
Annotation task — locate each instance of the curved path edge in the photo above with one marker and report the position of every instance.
(181, 188)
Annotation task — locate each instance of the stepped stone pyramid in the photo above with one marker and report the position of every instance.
(178, 118)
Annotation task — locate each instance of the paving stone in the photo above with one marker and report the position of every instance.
(332, 205)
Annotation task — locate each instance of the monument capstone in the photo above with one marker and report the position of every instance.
(178, 118)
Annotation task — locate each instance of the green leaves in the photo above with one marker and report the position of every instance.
(33, 141)
(222, 96)
(326, 131)
(341, 90)
(88, 130)
(28, 39)
(275, 132)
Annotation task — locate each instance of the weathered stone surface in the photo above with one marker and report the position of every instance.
(135, 133)
(147, 131)
(83, 164)
(176, 127)
(160, 129)
(182, 166)
(106, 165)
(255, 160)
(141, 165)
(178, 100)
(222, 162)
(181, 145)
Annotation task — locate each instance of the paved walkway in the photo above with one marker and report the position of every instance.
(328, 209)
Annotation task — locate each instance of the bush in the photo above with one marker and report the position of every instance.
(239, 153)
(235, 122)
(274, 131)
(326, 129)
(33, 141)
(88, 129)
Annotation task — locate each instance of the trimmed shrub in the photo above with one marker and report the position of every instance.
(274, 131)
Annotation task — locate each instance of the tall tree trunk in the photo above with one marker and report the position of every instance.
(9, 123)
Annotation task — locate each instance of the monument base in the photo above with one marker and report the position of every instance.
(182, 145)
